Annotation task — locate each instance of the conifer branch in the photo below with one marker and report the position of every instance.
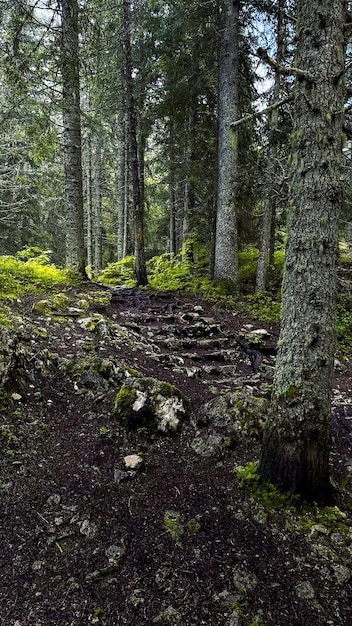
(287, 71)
(252, 116)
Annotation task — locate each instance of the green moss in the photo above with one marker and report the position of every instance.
(9, 441)
(56, 304)
(248, 474)
(123, 410)
(134, 373)
(168, 390)
(330, 517)
(173, 523)
(292, 392)
(193, 526)
(344, 322)
(124, 401)
(95, 298)
(6, 321)
(270, 496)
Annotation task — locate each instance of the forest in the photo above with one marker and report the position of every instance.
(176, 312)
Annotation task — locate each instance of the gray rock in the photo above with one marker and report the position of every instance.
(88, 529)
(242, 413)
(116, 552)
(211, 444)
(168, 616)
(341, 573)
(244, 581)
(304, 590)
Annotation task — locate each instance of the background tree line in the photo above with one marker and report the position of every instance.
(191, 69)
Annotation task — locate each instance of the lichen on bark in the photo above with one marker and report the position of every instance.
(296, 443)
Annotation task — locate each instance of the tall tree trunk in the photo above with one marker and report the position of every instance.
(172, 199)
(89, 205)
(98, 209)
(296, 445)
(141, 270)
(75, 248)
(269, 208)
(121, 189)
(126, 235)
(189, 197)
(226, 245)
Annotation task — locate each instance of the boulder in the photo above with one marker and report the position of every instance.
(151, 404)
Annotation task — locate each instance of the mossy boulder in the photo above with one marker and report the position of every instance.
(239, 413)
(95, 374)
(151, 404)
(56, 304)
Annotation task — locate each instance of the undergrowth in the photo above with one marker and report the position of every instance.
(30, 270)
(189, 272)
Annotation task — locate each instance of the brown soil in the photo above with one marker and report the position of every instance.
(84, 540)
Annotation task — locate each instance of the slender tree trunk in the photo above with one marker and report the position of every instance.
(98, 209)
(189, 197)
(126, 237)
(269, 208)
(226, 245)
(296, 445)
(75, 247)
(121, 189)
(89, 205)
(141, 271)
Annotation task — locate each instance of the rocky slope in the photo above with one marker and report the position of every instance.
(125, 415)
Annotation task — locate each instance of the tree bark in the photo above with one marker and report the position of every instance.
(296, 445)
(98, 256)
(141, 271)
(75, 247)
(121, 189)
(226, 244)
(172, 199)
(89, 205)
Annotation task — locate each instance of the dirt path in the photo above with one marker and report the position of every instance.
(86, 540)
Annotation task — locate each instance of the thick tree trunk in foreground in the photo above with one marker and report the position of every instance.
(296, 444)
(226, 244)
(75, 248)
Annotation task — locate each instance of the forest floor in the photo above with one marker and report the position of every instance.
(86, 539)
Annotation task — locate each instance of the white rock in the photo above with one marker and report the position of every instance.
(259, 332)
(168, 412)
(133, 461)
(140, 401)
